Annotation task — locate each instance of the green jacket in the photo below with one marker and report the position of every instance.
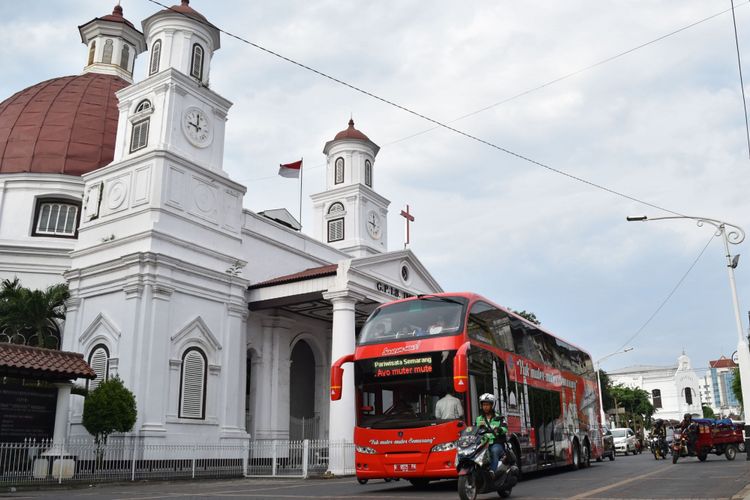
(497, 424)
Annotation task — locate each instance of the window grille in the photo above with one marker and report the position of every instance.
(98, 360)
(56, 219)
(92, 51)
(107, 56)
(125, 57)
(196, 65)
(155, 56)
(656, 398)
(336, 208)
(193, 384)
(339, 171)
(139, 137)
(335, 230)
(368, 173)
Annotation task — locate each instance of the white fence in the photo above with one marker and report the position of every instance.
(129, 458)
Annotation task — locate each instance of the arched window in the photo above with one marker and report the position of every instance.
(656, 398)
(196, 64)
(107, 56)
(125, 57)
(98, 360)
(338, 172)
(335, 208)
(368, 173)
(193, 384)
(92, 51)
(688, 395)
(155, 56)
(56, 217)
(144, 105)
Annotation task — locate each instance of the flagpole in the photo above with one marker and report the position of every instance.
(301, 171)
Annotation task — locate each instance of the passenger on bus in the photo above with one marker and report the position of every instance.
(496, 423)
(448, 406)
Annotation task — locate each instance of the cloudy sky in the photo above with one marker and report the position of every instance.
(662, 124)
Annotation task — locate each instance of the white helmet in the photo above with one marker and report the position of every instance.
(487, 398)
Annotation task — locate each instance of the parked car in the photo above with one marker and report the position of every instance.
(608, 445)
(625, 440)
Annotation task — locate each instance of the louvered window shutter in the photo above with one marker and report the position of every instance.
(193, 385)
(98, 362)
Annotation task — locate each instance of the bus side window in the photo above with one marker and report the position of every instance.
(477, 326)
(523, 339)
(486, 375)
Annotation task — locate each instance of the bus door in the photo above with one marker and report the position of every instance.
(546, 419)
(486, 375)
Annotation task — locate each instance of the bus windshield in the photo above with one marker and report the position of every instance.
(426, 316)
(402, 391)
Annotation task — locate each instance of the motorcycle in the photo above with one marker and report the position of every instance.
(659, 447)
(473, 466)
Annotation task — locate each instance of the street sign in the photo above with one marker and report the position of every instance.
(735, 358)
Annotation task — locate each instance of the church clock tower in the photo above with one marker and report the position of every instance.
(157, 255)
(349, 214)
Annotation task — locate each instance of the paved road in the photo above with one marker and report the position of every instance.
(632, 477)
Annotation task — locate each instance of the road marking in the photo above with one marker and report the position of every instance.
(619, 483)
(213, 493)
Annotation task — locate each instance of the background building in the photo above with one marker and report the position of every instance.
(717, 384)
(673, 390)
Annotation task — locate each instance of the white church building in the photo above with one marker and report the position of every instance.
(673, 390)
(223, 322)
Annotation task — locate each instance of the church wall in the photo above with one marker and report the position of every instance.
(37, 261)
(148, 324)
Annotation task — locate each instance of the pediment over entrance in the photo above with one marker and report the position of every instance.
(393, 275)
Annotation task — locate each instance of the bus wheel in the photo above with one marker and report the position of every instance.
(585, 456)
(362, 481)
(576, 463)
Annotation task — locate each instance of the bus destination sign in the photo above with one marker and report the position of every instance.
(395, 367)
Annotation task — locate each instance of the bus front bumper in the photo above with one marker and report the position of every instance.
(436, 465)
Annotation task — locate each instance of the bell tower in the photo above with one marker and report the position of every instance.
(349, 214)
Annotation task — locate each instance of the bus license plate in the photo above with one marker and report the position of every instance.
(404, 467)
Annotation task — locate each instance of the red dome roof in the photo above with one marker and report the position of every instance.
(351, 133)
(65, 125)
(185, 8)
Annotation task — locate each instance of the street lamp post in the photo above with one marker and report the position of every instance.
(603, 415)
(733, 234)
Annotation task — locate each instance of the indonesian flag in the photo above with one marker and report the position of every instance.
(290, 170)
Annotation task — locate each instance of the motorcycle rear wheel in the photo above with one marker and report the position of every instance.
(467, 487)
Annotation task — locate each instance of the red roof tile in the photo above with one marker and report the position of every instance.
(313, 272)
(722, 362)
(46, 364)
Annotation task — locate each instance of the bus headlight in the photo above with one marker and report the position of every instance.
(365, 449)
(444, 446)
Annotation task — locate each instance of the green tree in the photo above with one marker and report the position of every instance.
(32, 317)
(737, 384)
(635, 401)
(109, 408)
(708, 412)
(529, 316)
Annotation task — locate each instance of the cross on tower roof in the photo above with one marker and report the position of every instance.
(409, 218)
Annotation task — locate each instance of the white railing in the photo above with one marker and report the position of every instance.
(125, 458)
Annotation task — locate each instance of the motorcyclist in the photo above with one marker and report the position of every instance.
(660, 431)
(686, 428)
(495, 422)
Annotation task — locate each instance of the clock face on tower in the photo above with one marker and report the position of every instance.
(197, 127)
(373, 224)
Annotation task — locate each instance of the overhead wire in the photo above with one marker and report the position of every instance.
(666, 299)
(429, 119)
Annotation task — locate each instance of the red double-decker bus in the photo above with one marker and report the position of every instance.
(411, 352)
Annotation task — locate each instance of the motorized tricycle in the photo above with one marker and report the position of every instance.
(473, 466)
(720, 437)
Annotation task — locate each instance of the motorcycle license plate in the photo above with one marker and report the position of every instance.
(404, 467)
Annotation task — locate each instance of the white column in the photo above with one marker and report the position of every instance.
(61, 419)
(234, 372)
(341, 418)
(272, 395)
